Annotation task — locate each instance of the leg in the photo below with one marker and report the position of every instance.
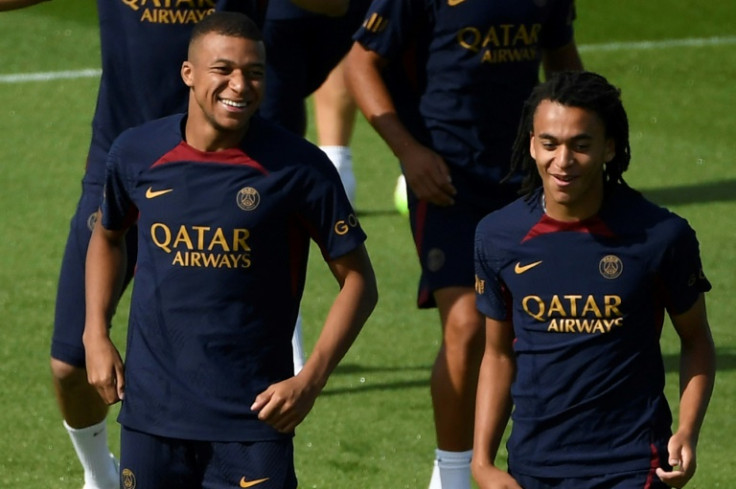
(82, 409)
(454, 382)
(334, 111)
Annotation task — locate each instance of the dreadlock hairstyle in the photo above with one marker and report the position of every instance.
(574, 89)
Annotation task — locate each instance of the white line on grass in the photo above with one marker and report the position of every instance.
(612, 46)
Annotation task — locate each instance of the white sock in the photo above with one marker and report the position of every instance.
(435, 482)
(297, 345)
(100, 469)
(454, 468)
(342, 158)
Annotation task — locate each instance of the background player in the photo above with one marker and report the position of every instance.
(305, 49)
(574, 279)
(443, 84)
(206, 341)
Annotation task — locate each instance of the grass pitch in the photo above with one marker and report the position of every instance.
(675, 62)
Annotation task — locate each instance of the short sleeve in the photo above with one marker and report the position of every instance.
(682, 271)
(491, 295)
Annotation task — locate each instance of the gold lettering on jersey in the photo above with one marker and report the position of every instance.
(480, 285)
(343, 225)
(503, 43)
(171, 11)
(375, 23)
(574, 313)
(203, 246)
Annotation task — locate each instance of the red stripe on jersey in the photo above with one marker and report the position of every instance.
(547, 225)
(653, 464)
(231, 156)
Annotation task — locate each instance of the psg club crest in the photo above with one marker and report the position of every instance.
(248, 198)
(610, 266)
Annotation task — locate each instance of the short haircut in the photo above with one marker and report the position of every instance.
(585, 90)
(232, 24)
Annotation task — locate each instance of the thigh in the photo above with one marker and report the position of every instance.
(66, 343)
(444, 238)
(261, 465)
(153, 462)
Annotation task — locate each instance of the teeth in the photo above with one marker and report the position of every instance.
(232, 103)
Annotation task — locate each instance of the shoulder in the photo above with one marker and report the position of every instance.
(152, 133)
(140, 146)
(276, 148)
(515, 218)
(630, 209)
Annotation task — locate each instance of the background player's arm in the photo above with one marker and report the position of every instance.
(103, 277)
(284, 405)
(493, 405)
(331, 8)
(15, 4)
(564, 58)
(697, 376)
(426, 172)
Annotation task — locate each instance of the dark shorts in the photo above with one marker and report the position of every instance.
(66, 343)
(444, 236)
(301, 54)
(645, 479)
(153, 462)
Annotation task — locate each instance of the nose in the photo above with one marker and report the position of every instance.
(565, 156)
(237, 82)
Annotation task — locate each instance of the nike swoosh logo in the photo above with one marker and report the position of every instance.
(245, 483)
(454, 3)
(519, 268)
(152, 194)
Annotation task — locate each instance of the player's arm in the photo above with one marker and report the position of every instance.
(331, 8)
(16, 4)
(104, 271)
(284, 405)
(564, 58)
(426, 172)
(697, 376)
(493, 405)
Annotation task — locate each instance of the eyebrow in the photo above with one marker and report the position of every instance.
(577, 137)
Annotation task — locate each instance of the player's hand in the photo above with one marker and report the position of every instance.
(490, 477)
(105, 368)
(285, 404)
(682, 458)
(428, 176)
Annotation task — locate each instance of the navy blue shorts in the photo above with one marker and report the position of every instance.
(645, 479)
(153, 462)
(66, 343)
(445, 236)
(301, 54)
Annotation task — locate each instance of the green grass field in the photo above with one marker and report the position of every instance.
(675, 62)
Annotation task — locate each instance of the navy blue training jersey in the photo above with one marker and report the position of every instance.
(143, 45)
(587, 301)
(468, 65)
(222, 255)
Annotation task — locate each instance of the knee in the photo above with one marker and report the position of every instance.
(67, 376)
(464, 333)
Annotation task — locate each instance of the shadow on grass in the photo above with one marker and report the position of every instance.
(725, 360)
(370, 385)
(693, 194)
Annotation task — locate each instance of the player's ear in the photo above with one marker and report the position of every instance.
(610, 150)
(186, 73)
(532, 151)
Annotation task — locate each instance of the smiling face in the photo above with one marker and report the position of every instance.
(225, 75)
(570, 147)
